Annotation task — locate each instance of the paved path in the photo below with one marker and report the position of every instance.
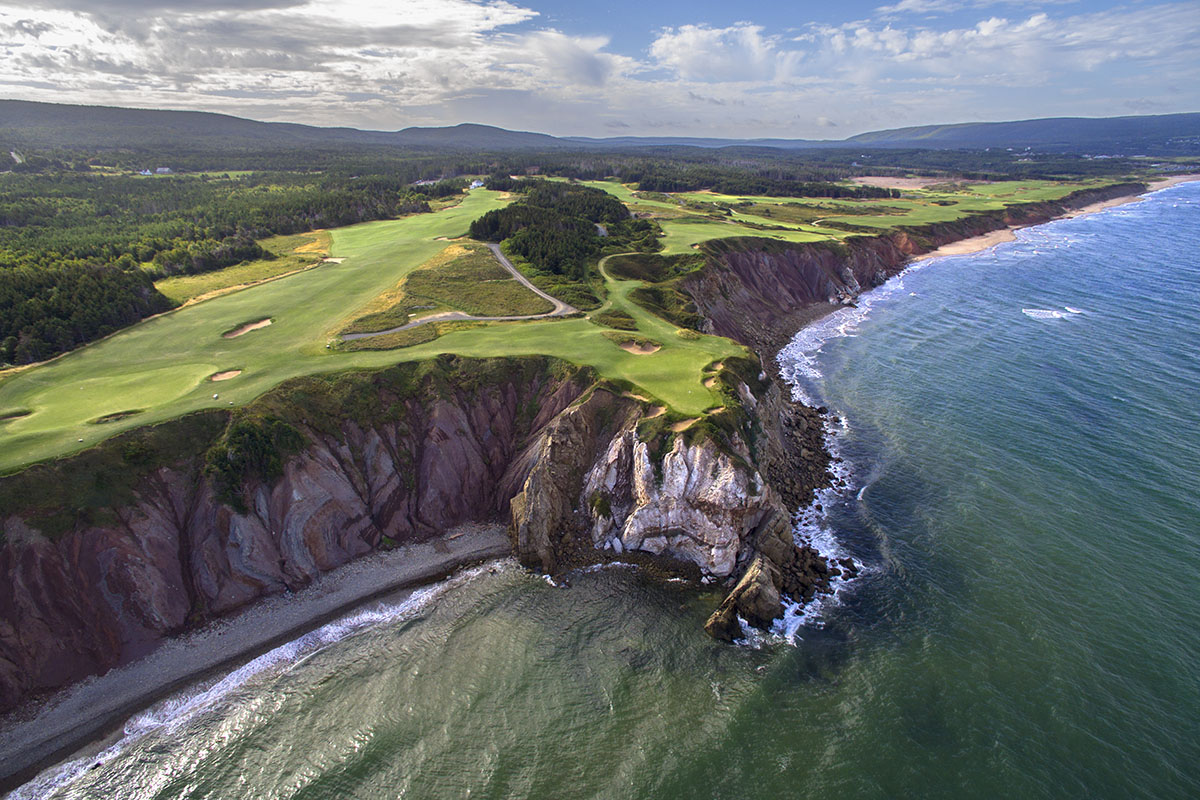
(561, 309)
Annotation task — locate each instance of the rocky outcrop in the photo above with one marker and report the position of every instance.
(574, 466)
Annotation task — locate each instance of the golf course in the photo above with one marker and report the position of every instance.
(263, 324)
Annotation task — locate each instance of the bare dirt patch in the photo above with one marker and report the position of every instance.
(226, 375)
(319, 244)
(244, 329)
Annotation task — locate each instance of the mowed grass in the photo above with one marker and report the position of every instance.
(162, 365)
(292, 253)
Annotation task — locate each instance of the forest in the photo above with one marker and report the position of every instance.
(558, 227)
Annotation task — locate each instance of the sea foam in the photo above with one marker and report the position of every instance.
(169, 715)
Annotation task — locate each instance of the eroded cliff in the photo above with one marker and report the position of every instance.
(761, 291)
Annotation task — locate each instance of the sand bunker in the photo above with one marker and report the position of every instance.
(332, 260)
(656, 411)
(684, 424)
(710, 382)
(249, 326)
(644, 349)
(226, 375)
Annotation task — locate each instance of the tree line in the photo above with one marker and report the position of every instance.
(79, 253)
(554, 225)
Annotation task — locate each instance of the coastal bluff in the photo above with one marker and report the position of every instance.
(161, 529)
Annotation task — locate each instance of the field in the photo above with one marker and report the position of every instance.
(162, 367)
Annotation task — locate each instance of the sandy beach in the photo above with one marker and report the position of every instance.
(33, 739)
(978, 244)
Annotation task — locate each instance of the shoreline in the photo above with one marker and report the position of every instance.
(61, 725)
(977, 244)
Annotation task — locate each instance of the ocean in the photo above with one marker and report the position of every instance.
(1020, 434)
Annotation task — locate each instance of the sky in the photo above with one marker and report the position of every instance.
(792, 68)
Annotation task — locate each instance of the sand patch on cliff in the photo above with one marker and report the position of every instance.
(226, 375)
(244, 329)
(684, 424)
(656, 411)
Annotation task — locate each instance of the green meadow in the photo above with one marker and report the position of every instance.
(162, 367)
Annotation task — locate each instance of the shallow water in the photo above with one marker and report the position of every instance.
(1024, 490)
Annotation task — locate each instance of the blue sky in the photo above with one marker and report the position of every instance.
(789, 69)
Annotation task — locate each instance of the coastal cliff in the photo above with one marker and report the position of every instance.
(761, 291)
(161, 529)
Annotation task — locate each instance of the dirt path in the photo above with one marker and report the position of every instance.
(561, 309)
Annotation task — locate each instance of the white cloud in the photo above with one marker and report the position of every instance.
(940, 7)
(389, 63)
(738, 53)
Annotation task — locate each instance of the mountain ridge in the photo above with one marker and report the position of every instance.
(32, 123)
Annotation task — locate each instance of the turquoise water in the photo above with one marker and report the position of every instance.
(1021, 434)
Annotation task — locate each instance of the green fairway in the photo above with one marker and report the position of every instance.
(160, 368)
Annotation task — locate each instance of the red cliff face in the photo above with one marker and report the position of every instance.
(761, 291)
(100, 595)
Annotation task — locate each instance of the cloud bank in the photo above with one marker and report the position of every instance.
(383, 64)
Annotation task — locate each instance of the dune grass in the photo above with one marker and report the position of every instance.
(463, 277)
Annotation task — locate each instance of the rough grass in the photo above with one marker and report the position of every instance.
(468, 278)
(614, 318)
(292, 253)
(463, 277)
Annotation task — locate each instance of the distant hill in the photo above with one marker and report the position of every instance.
(31, 124)
(1127, 135)
(35, 124)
